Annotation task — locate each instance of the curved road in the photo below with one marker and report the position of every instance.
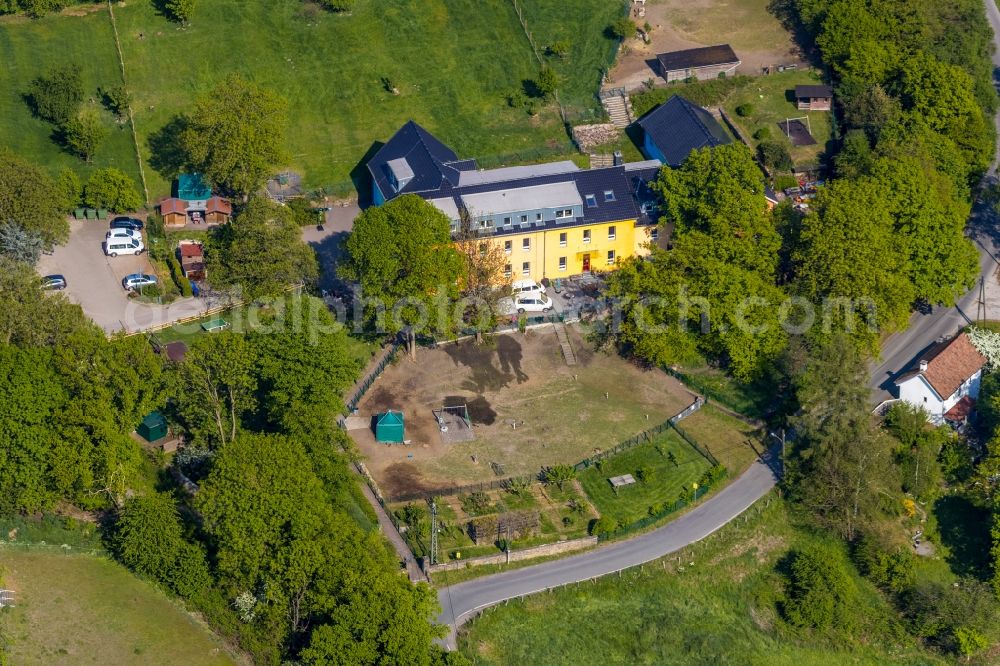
(460, 602)
(901, 350)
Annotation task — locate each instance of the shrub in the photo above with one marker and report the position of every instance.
(820, 589)
(775, 155)
(603, 525)
(476, 504)
(116, 100)
(516, 99)
(623, 28)
(547, 81)
(559, 48)
(56, 95)
(184, 285)
(744, 110)
(110, 188)
(337, 5)
(762, 134)
(84, 133)
(890, 569)
(70, 189)
(784, 181)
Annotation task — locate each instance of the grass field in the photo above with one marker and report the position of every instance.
(714, 603)
(772, 100)
(78, 609)
(667, 478)
(453, 62)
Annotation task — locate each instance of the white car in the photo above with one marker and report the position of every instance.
(115, 246)
(528, 303)
(527, 288)
(124, 233)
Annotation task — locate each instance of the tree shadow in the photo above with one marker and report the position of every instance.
(167, 157)
(965, 532)
(531, 89)
(510, 354)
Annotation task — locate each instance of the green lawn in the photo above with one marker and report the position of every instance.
(711, 604)
(667, 478)
(453, 62)
(79, 609)
(772, 101)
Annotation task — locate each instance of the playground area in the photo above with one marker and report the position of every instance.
(527, 409)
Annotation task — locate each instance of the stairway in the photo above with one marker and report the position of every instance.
(567, 348)
(618, 106)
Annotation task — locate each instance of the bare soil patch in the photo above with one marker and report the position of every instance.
(528, 409)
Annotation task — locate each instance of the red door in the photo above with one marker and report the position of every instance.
(586, 263)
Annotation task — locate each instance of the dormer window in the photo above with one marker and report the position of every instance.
(609, 195)
(591, 201)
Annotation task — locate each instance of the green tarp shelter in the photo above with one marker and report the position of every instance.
(192, 187)
(153, 427)
(389, 427)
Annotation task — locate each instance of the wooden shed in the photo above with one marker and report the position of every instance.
(814, 98)
(708, 62)
(192, 258)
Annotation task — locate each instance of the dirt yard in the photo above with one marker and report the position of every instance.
(755, 34)
(561, 413)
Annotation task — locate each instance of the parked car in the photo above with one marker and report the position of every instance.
(123, 233)
(529, 303)
(138, 280)
(125, 222)
(115, 246)
(527, 287)
(53, 282)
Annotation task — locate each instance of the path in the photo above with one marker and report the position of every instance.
(392, 534)
(901, 350)
(460, 602)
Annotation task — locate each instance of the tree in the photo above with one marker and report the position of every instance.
(485, 280)
(112, 189)
(117, 100)
(235, 135)
(843, 463)
(84, 133)
(560, 475)
(261, 251)
(547, 81)
(23, 306)
(820, 589)
(775, 155)
(20, 245)
(56, 95)
(402, 255)
(70, 189)
(179, 10)
(216, 387)
(30, 199)
(559, 48)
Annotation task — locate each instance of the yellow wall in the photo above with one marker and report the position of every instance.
(545, 249)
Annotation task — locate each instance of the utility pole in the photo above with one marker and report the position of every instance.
(434, 531)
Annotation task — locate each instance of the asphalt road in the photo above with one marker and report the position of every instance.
(901, 350)
(460, 602)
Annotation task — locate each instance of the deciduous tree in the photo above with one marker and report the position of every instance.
(84, 133)
(30, 199)
(111, 188)
(56, 95)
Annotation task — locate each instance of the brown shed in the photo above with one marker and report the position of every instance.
(708, 62)
(814, 98)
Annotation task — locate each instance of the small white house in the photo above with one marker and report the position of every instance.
(945, 381)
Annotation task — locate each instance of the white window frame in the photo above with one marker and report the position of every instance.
(586, 235)
(612, 232)
(526, 244)
(524, 218)
(562, 263)
(525, 268)
(609, 195)
(538, 217)
(508, 246)
(654, 234)
(611, 257)
(591, 200)
(508, 270)
(506, 221)
(562, 239)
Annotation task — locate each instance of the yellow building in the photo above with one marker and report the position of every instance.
(553, 220)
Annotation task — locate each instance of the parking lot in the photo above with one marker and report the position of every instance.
(94, 281)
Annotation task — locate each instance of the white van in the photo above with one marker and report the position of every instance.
(526, 287)
(524, 303)
(115, 246)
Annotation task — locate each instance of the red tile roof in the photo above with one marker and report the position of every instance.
(961, 411)
(219, 205)
(168, 206)
(949, 364)
(191, 250)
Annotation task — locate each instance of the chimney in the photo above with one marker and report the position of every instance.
(923, 366)
(618, 159)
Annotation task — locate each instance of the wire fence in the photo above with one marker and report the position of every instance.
(362, 387)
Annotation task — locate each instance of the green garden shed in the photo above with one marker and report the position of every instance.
(389, 427)
(153, 427)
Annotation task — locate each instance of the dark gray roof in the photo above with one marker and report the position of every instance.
(425, 156)
(813, 91)
(678, 126)
(706, 56)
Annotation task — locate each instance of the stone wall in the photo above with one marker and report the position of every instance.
(557, 548)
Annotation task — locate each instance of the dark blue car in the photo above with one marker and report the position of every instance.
(125, 222)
